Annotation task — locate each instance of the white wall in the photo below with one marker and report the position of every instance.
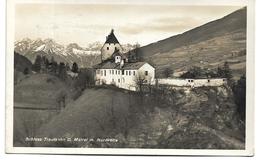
(193, 82)
(126, 81)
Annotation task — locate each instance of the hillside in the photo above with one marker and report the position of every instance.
(39, 90)
(33, 96)
(21, 66)
(21, 62)
(207, 46)
(202, 118)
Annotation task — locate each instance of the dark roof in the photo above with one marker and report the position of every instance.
(118, 53)
(111, 38)
(113, 65)
(133, 66)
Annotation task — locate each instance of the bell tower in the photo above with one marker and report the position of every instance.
(110, 46)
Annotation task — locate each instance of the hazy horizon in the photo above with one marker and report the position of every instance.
(88, 23)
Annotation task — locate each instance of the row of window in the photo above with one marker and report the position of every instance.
(108, 48)
(118, 72)
(118, 80)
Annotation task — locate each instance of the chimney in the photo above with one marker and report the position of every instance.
(122, 63)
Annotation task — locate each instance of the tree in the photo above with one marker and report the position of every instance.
(37, 63)
(239, 90)
(26, 71)
(220, 72)
(67, 66)
(137, 54)
(81, 81)
(47, 63)
(53, 66)
(61, 99)
(227, 71)
(194, 72)
(168, 72)
(140, 81)
(62, 71)
(44, 64)
(75, 68)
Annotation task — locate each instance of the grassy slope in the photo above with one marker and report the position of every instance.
(39, 89)
(208, 45)
(206, 119)
(85, 115)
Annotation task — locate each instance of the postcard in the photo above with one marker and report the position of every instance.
(130, 77)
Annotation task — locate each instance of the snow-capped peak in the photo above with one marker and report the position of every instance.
(40, 48)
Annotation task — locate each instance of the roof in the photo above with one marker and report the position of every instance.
(118, 53)
(111, 38)
(134, 66)
(113, 65)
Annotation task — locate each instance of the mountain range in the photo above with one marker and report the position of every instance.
(84, 57)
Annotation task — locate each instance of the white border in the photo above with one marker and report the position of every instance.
(249, 151)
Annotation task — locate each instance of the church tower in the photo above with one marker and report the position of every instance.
(110, 46)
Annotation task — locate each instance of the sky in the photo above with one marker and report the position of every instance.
(88, 23)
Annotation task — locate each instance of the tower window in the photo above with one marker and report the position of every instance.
(146, 73)
(107, 48)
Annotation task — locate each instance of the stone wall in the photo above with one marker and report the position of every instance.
(192, 82)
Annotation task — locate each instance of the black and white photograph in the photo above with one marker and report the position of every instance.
(109, 75)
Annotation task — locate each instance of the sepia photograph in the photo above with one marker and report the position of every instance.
(130, 76)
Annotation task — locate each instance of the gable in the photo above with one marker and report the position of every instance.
(146, 66)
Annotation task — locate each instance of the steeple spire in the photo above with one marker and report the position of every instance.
(111, 38)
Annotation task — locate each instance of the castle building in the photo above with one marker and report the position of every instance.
(110, 46)
(115, 68)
